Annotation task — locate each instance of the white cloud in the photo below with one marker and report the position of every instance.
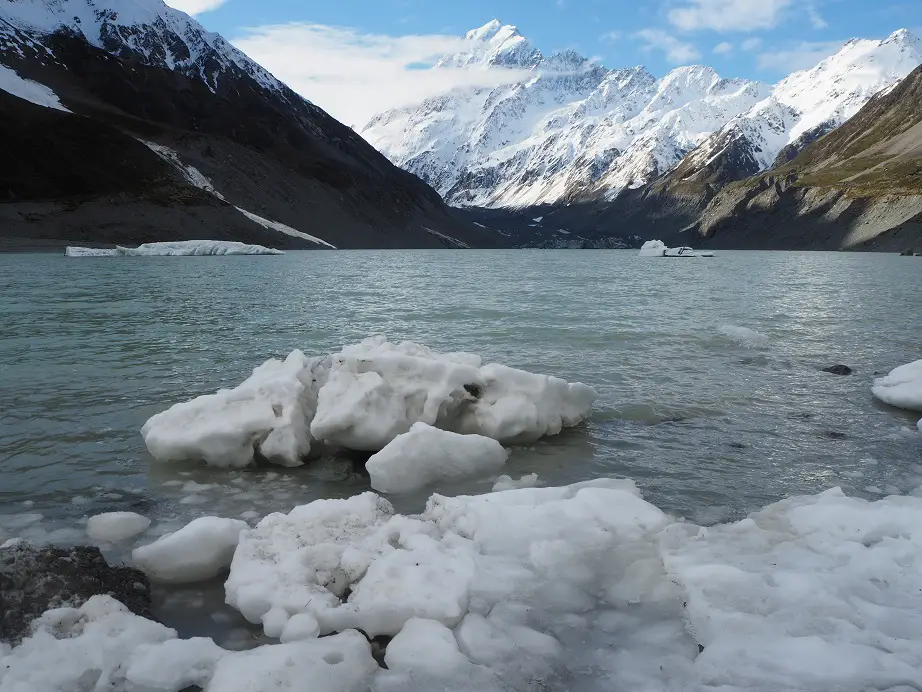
(676, 51)
(751, 44)
(610, 36)
(354, 76)
(801, 57)
(816, 18)
(195, 6)
(728, 15)
(723, 48)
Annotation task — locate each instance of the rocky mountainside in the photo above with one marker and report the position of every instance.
(859, 187)
(125, 121)
(572, 132)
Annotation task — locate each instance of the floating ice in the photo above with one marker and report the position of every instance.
(116, 526)
(361, 399)
(902, 387)
(653, 248)
(509, 483)
(198, 551)
(744, 336)
(179, 248)
(268, 414)
(28, 90)
(426, 454)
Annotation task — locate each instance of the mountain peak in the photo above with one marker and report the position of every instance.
(487, 31)
(494, 45)
(904, 37)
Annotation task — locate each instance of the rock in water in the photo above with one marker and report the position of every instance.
(838, 370)
(906, 253)
(33, 580)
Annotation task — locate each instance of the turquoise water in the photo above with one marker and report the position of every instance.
(709, 426)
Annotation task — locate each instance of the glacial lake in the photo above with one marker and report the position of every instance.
(712, 421)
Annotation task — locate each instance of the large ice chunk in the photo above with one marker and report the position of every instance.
(177, 248)
(811, 593)
(198, 551)
(355, 564)
(902, 387)
(426, 454)
(363, 398)
(378, 390)
(113, 527)
(269, 414)
(653, 248)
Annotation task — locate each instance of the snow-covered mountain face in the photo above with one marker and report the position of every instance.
(145, 30)
(812, 102)
(574, 129)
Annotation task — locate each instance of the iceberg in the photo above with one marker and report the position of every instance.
(179, 248)
(363, 398)
(902, 387)
(426, 454)
(653, 248)
(198, 551)
(657, 248)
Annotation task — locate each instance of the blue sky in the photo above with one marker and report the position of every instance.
(333, 51)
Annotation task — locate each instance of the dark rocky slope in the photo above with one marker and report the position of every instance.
(858, 187)
(85, 176)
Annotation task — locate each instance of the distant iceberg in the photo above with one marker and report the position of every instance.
(657, 248)
(653, 248)
(181, 248)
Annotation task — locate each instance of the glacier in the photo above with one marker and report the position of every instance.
(573, 129)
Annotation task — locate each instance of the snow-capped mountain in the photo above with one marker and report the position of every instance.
(573, 129)
(125, 121)
(145, 30)
(810, 103)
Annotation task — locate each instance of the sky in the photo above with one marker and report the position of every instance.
(356, 58)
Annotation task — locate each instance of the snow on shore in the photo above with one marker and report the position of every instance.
(179, 248)
(362, 398)
(587, 587)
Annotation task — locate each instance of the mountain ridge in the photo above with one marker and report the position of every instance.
(259, 144)
(586, 135)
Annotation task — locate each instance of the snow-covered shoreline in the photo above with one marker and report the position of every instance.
(587, 587)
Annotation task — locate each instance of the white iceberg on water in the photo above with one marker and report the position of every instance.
(363, 398)
(179, 248)
(657, 248)
(901, 388)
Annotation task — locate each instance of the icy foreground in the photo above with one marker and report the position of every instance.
(179, 248)
(362, 398)
(586, 587)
